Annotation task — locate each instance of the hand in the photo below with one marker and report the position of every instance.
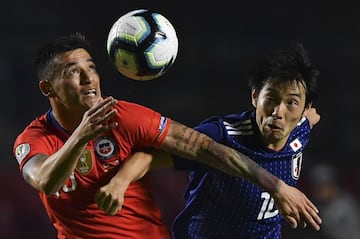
(110, 197)
(312, 116)
(296, 208)
(97, 120)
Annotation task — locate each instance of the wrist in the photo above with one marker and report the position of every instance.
(121, 180)
(278, 186)
(268, 181)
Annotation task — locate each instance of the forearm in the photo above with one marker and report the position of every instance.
(191, 144)
(52, 173)
(240, 165)
(132, 169)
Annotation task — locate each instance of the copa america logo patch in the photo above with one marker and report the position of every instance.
(21, 151)
(105, 148)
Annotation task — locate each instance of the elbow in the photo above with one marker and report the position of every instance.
(40, 179)
(48, 188)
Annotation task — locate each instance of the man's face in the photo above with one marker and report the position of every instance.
(76, 83)
(279, 107)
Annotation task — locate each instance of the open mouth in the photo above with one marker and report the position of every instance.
(91, 92)
(274, 127)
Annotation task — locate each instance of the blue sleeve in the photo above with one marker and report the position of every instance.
(213, 130)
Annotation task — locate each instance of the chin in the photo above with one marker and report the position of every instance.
(90, 101)
(273, 136)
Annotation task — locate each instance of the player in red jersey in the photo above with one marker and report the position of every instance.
(83, 154)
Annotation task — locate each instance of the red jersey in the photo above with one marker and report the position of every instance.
(72, 209)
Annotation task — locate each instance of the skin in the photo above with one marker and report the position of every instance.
(75, 97)
(279, 107)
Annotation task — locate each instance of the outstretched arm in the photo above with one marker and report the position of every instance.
(189, 143)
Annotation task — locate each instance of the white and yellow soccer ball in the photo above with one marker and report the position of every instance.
(142, 45)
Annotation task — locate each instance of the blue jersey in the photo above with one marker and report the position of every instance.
(223, 206)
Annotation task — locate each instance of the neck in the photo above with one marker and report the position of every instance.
(275, 146)
(67, 120)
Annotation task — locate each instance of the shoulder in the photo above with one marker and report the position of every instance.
(36, 126)
(35, 136)
(230, 118)
(140, 123)
(132, 108)
(218, 127)
(303, 127)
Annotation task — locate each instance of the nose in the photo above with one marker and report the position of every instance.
(85, 77)
(278, 111)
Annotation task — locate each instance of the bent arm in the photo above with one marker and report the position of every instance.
(110, 197)
(48, 173)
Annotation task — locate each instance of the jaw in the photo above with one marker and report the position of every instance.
(274, 138)
(89, 101)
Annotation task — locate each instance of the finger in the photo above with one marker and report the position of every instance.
(115, 207)
(313, 219)
(99, 199)
(105, 123)
(102, 106)
(315, 216)
(310, 216)
(100, 119)
(107, 203)
(104, 119)
(292, 221)
(304, 224)
(313, 207)
(108, 115)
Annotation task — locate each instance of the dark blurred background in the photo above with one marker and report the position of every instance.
(217, 43)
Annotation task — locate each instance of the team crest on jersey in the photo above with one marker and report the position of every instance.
(105, 148)
(21, 151)
(85, 162)
(295, 145)
(296, 162)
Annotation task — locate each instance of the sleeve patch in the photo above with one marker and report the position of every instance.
(162, 124)
(21, 151)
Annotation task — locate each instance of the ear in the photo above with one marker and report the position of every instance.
(46, 88)
(254, 97)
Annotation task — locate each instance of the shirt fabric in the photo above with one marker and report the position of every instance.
(226, 207)
(72, 209)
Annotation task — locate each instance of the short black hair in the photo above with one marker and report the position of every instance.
(47, 56)
(286, 65)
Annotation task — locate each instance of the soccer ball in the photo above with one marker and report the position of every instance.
(142, 45)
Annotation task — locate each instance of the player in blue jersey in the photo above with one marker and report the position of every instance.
(274, 134)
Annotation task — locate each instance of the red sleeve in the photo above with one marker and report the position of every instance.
(33, 140)
(142, 126)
